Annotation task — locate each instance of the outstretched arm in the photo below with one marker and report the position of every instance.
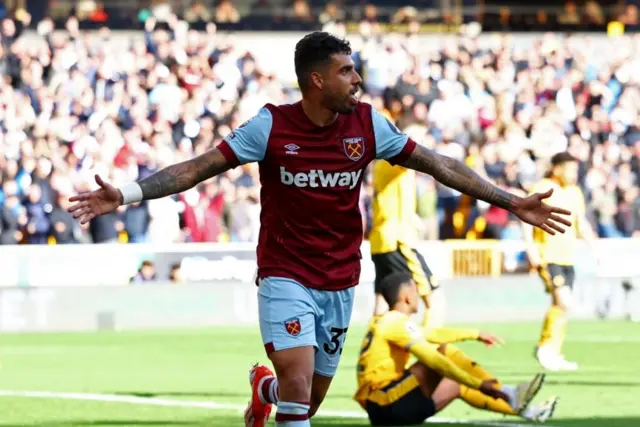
(246, 144)
(183, 176)
(170, 180)
(459, 176)
(398, 148)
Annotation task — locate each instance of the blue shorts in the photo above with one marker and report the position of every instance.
(292, 315)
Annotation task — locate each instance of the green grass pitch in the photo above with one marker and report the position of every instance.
(199, 378)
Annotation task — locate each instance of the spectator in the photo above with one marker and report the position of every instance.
(175, 275)
(146, 273)
(74, 105)
(64, 228)
(226, 12)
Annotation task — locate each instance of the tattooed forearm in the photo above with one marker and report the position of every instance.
(182, 176)
(458, 176)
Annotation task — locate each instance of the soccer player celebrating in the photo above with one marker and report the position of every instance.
(395, 396)
(311, 156)
(394, 232)
(553, 257)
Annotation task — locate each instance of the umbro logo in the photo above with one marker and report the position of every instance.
(291, 149)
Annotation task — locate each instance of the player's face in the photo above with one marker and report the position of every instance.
(341, 85)
(569, 173)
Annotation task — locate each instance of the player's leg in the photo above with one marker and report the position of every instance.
(287, 312)
(520, 395)
(448, 391)
(331, 332)
(564, 296)
(558, 285)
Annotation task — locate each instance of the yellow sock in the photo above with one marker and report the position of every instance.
(479, 400)
(467, 364)
(554, 328)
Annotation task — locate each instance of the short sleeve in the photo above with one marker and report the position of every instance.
(248, 143)
(390, 141)
(403, 333)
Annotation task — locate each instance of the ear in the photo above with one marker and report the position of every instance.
(317, 80)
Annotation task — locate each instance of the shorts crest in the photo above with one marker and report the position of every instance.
(293, 326)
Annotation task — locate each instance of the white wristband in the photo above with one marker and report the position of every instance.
(131, 193)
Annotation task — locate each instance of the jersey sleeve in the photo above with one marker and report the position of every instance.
(406, 334)
(403, 333)
(450, 335)
(248, 143)
(391, 144)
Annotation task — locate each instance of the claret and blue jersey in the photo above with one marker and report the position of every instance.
(311, 228)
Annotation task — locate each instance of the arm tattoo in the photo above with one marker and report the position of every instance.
(182, 176)
(457, 175)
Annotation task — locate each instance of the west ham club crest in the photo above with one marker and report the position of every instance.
(354, 147)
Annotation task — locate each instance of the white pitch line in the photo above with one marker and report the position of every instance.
(154, 401)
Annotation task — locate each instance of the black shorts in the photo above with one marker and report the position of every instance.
(404, 260)
(556, 276)
(413, 408)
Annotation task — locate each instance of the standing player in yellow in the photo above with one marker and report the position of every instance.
(393, 395)
(394, 233)
(553, 257)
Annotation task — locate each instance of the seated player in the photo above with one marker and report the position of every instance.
(393, 234)
(395, 396)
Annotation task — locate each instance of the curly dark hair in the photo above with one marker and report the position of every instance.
(315, 50)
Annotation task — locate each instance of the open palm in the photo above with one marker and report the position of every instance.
(534, 211)
(99, 202)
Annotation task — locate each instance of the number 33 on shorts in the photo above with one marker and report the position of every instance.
(292, 315)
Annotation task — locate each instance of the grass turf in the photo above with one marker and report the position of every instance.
(211, 366)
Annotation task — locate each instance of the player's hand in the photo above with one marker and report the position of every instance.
(488, 387)
(534, 211)
(90, 205)
(489, 339)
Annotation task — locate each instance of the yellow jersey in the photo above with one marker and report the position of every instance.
(393, 207)
(390, 340)
(560, 248)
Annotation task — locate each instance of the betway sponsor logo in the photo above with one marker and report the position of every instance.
(319, 178)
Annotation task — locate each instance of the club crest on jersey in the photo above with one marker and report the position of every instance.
(354, 147)
(293, 327)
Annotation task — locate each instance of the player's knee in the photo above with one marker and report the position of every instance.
(563, 298)
(294, 388)
(420, 371)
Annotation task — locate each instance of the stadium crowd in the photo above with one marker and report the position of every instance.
(77, 104)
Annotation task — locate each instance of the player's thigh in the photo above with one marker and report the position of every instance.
(287, 313)
(546, 274)
(447, 391)
(418, 268)
(400, 403)
(331, 328)
(559, 283)
(570, 276)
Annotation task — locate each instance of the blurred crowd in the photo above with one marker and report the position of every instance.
(76, 104)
